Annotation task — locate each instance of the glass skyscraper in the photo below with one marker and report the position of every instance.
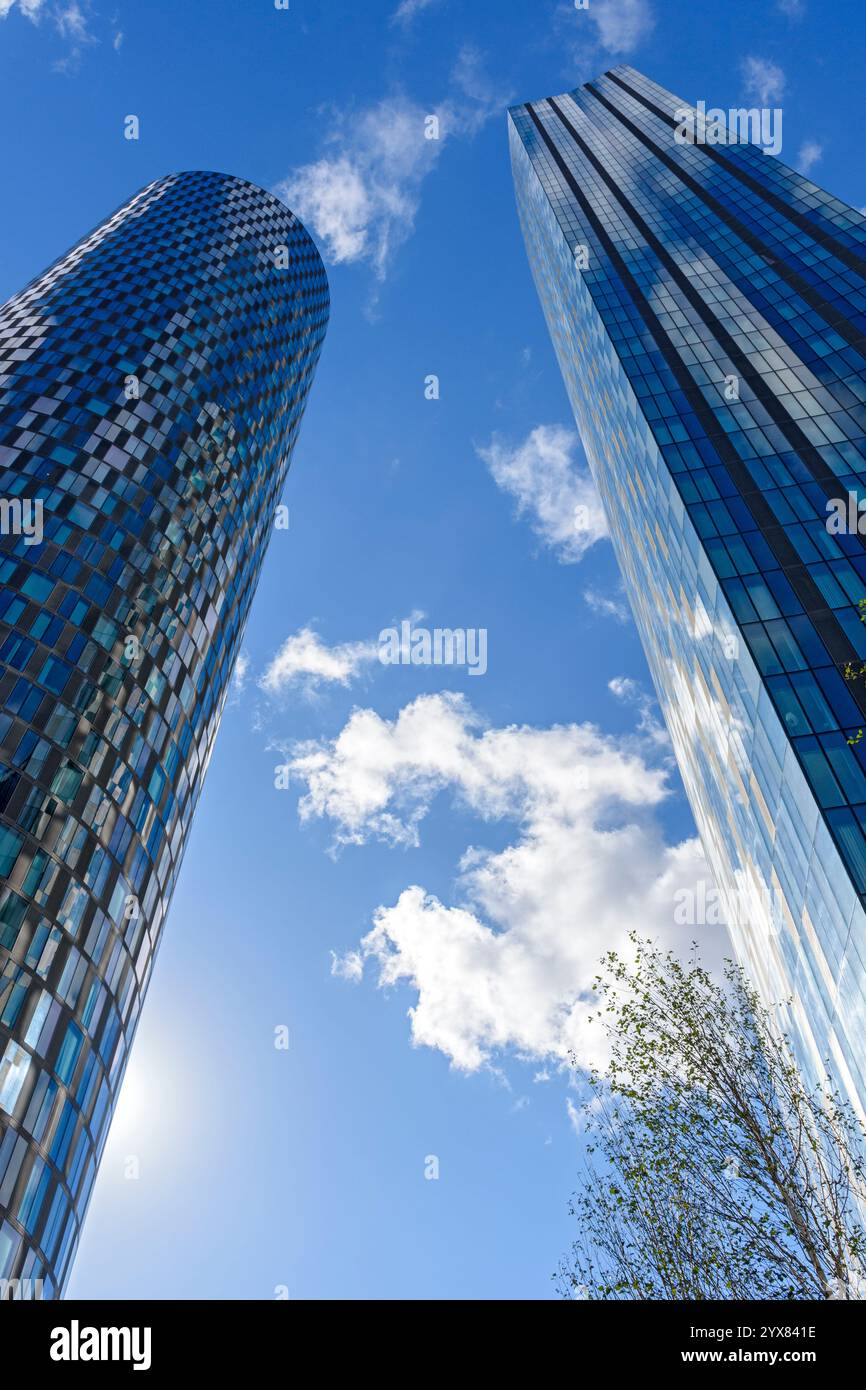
(152, 383)
(707, 305)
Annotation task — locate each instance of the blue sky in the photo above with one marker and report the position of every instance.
(422, 907)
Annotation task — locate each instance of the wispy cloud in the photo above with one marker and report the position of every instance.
(631, 692)
(794, 9)
(476, 97)
(71, 23)
(348, 967)
(408, 10)
(361, 197)
(241, 672)
(551, 488)
(763, 80)
(607, 605)
(808, 155)
(68, 20)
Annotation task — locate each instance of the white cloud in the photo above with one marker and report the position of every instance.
(361, 201)
(794, 9)
(559, 496)
(72, 24)
(809, 154)
(305, 660)
(621, 24)
(407, 10)
(764, 81)
(241, 671)
(348, 967)
(343, 206)
(477, 99)
(29, 8)
(362, 196)
(69, 20)
(624, 688)
(509, 965)
(631, 692)
(603, 27)
(607, 605)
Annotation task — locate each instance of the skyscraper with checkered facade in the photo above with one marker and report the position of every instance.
(707, 305)
(152, 383)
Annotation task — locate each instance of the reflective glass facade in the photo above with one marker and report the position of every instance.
(152, 383)
(707, 305)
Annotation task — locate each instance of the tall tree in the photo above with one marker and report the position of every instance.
(712, 1170)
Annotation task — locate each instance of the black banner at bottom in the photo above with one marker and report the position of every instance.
(59, 1340)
